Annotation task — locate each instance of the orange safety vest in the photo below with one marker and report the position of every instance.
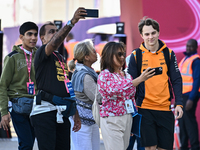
(70, 49)
(185, 68)
(100, 47)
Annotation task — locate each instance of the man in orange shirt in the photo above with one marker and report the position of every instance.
(153, 96)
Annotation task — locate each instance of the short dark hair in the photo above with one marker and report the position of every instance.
(27, 26)
(109, 50)
(43, 30)
(148, 22)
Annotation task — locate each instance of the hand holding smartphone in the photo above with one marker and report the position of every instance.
(158, 70)
(94, 13)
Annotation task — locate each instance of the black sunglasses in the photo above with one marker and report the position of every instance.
(121, 54)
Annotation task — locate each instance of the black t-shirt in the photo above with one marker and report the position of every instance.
(49, 74)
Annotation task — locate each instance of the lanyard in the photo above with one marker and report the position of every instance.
(28, 63)
(62, 65)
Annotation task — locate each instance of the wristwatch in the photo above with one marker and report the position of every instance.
(69, 23)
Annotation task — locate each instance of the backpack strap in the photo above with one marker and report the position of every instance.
(167, 54)
(138, 59)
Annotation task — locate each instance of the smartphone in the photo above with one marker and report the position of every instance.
(158, 70)
(94, 13)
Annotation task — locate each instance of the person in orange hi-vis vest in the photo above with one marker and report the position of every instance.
(71, 42)
(190, 72)
(99, 47)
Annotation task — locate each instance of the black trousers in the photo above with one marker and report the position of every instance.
(50, 134)
(188, 126)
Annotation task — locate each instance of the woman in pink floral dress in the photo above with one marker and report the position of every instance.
(116, 87)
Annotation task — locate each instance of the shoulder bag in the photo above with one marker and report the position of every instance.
(96, 109)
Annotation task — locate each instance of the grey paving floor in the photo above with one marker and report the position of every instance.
(12, 144)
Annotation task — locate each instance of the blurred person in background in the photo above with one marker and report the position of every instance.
(99, 47)
(190, 71)
(71, 66)
(69, 45)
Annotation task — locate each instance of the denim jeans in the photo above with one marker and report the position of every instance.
(24, 130)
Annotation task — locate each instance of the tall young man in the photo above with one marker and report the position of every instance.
(18, 84)
(51, 129)
(153, 95)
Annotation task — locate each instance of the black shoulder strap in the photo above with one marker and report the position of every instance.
(139, 60)
(166, 55)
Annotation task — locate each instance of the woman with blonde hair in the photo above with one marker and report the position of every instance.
(84, 82)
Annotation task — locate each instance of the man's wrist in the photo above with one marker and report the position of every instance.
(69, 23)
(179, 106)
(73, 21)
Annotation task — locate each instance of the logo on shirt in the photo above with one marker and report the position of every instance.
(21, 63)
(162, 63)
(145, 65)
(60, 72)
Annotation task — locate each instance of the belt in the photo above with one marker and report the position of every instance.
(42, 95)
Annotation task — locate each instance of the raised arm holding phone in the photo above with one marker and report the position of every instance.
(55, 100)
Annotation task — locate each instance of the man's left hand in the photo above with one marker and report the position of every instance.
(178, 112)
(188, 105)
(78, 15)
(77, 122)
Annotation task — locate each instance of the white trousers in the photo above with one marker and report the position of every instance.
(87, 138)
(116, 131)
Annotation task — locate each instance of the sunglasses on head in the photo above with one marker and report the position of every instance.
(121, 54)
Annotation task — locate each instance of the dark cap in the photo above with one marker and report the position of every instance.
(27, 26)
